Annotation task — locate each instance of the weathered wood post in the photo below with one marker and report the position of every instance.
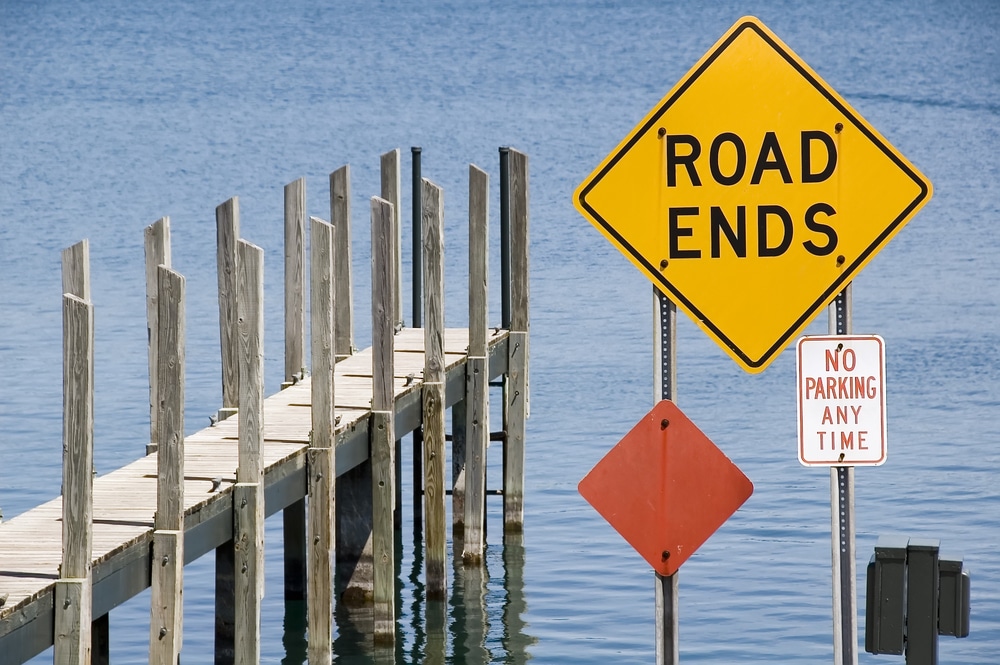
(322, 467)
(382, 430)
(156, 241)
(340, 219)
(227, 224)
(353, 514)
(477, 369)
(166, 613)
(72, 637)
(248, 494)
(516, 392)
(391, 187)
(294, 516)
(434, 454)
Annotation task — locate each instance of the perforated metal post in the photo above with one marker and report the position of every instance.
(665, 387)
(845, 613)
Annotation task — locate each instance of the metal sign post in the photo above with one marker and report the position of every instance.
(665, 387)
(845, 592)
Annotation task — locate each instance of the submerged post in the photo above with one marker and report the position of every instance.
(165, 626)
(248, 495)
(434, 454)
(382, 432)
(322, 461)
(72, 638)
(516, 406)
(476, 371)
(156, 240)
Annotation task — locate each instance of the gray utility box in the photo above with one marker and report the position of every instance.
(914, 595)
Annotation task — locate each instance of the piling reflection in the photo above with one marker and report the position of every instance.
(482, 621)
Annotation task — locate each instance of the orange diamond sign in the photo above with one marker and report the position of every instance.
(665, 488)
(752, 194)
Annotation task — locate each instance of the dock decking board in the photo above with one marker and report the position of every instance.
(31, 543)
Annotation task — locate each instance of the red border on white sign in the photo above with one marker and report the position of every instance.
(841, 400)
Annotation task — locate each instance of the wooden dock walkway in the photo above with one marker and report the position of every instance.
(125, 499)
(329, 440)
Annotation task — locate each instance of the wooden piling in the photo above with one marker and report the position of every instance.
(476, 379)
(340, 219)
(165, 626)
(156, 241)
(294, 516)
(516, 393)
(458, 453)
(435, 540)
(382, 432)
(391, 190)
(72, 636)
(322, 461)
(227, 228)
(248, 496)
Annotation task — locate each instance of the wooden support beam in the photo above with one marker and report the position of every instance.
(516, 394)
(156, 241)
(340, 219)
(248, 497)
(477, 381)
(293, 517)
(382, 430)
(227, 228)
(435, 539)
(166, 616)
(321, 463)
(73, 590)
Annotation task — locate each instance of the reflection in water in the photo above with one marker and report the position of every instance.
(481, 622)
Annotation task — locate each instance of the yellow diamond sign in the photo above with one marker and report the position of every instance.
(752, 194)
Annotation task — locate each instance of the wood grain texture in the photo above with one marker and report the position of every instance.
(167, 604)
(479, 193)
(519, 241)
(170, 411)
(434, 451)
(250, 287)
(227, 229)
(383, 302)
(71, 638)
(156, 242)
(78, 436)
(248, 545)
(391, 189)
(76, 270)
(340, 219)
(295, 279)
(322, 333)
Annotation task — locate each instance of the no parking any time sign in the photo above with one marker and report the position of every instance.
(841, 400)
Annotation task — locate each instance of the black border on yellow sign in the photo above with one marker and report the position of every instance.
(845, 276)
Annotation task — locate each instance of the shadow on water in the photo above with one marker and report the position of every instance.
(479, 623)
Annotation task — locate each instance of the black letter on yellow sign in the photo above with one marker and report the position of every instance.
(677, 231)
(831, 157)
(786, 225)
(737, 239)
(770, 147)
(673, 159)
(741, 158)
(828, 231)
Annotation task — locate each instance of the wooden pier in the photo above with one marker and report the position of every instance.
(324, 449)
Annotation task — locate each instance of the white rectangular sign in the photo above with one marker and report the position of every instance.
(841, 400)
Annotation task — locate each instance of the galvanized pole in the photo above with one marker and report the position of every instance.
(665, 387)
(845, 591)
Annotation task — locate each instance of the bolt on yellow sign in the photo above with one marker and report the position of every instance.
(752, 194)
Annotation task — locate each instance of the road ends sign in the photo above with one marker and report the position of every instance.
(666, 488)
(841, 400)
(751, 194)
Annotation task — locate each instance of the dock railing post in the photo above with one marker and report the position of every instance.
(166, 614)
(517, 404)
(321, 469)
(340, 219)
(382, 432)
(156, 241)
(73, 591)
(294, 516)
(477, 369)
(391, 191)
(248, 495)
(434, 454)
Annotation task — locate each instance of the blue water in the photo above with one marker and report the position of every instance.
(114, 114)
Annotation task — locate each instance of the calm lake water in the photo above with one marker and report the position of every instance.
(115, 114)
